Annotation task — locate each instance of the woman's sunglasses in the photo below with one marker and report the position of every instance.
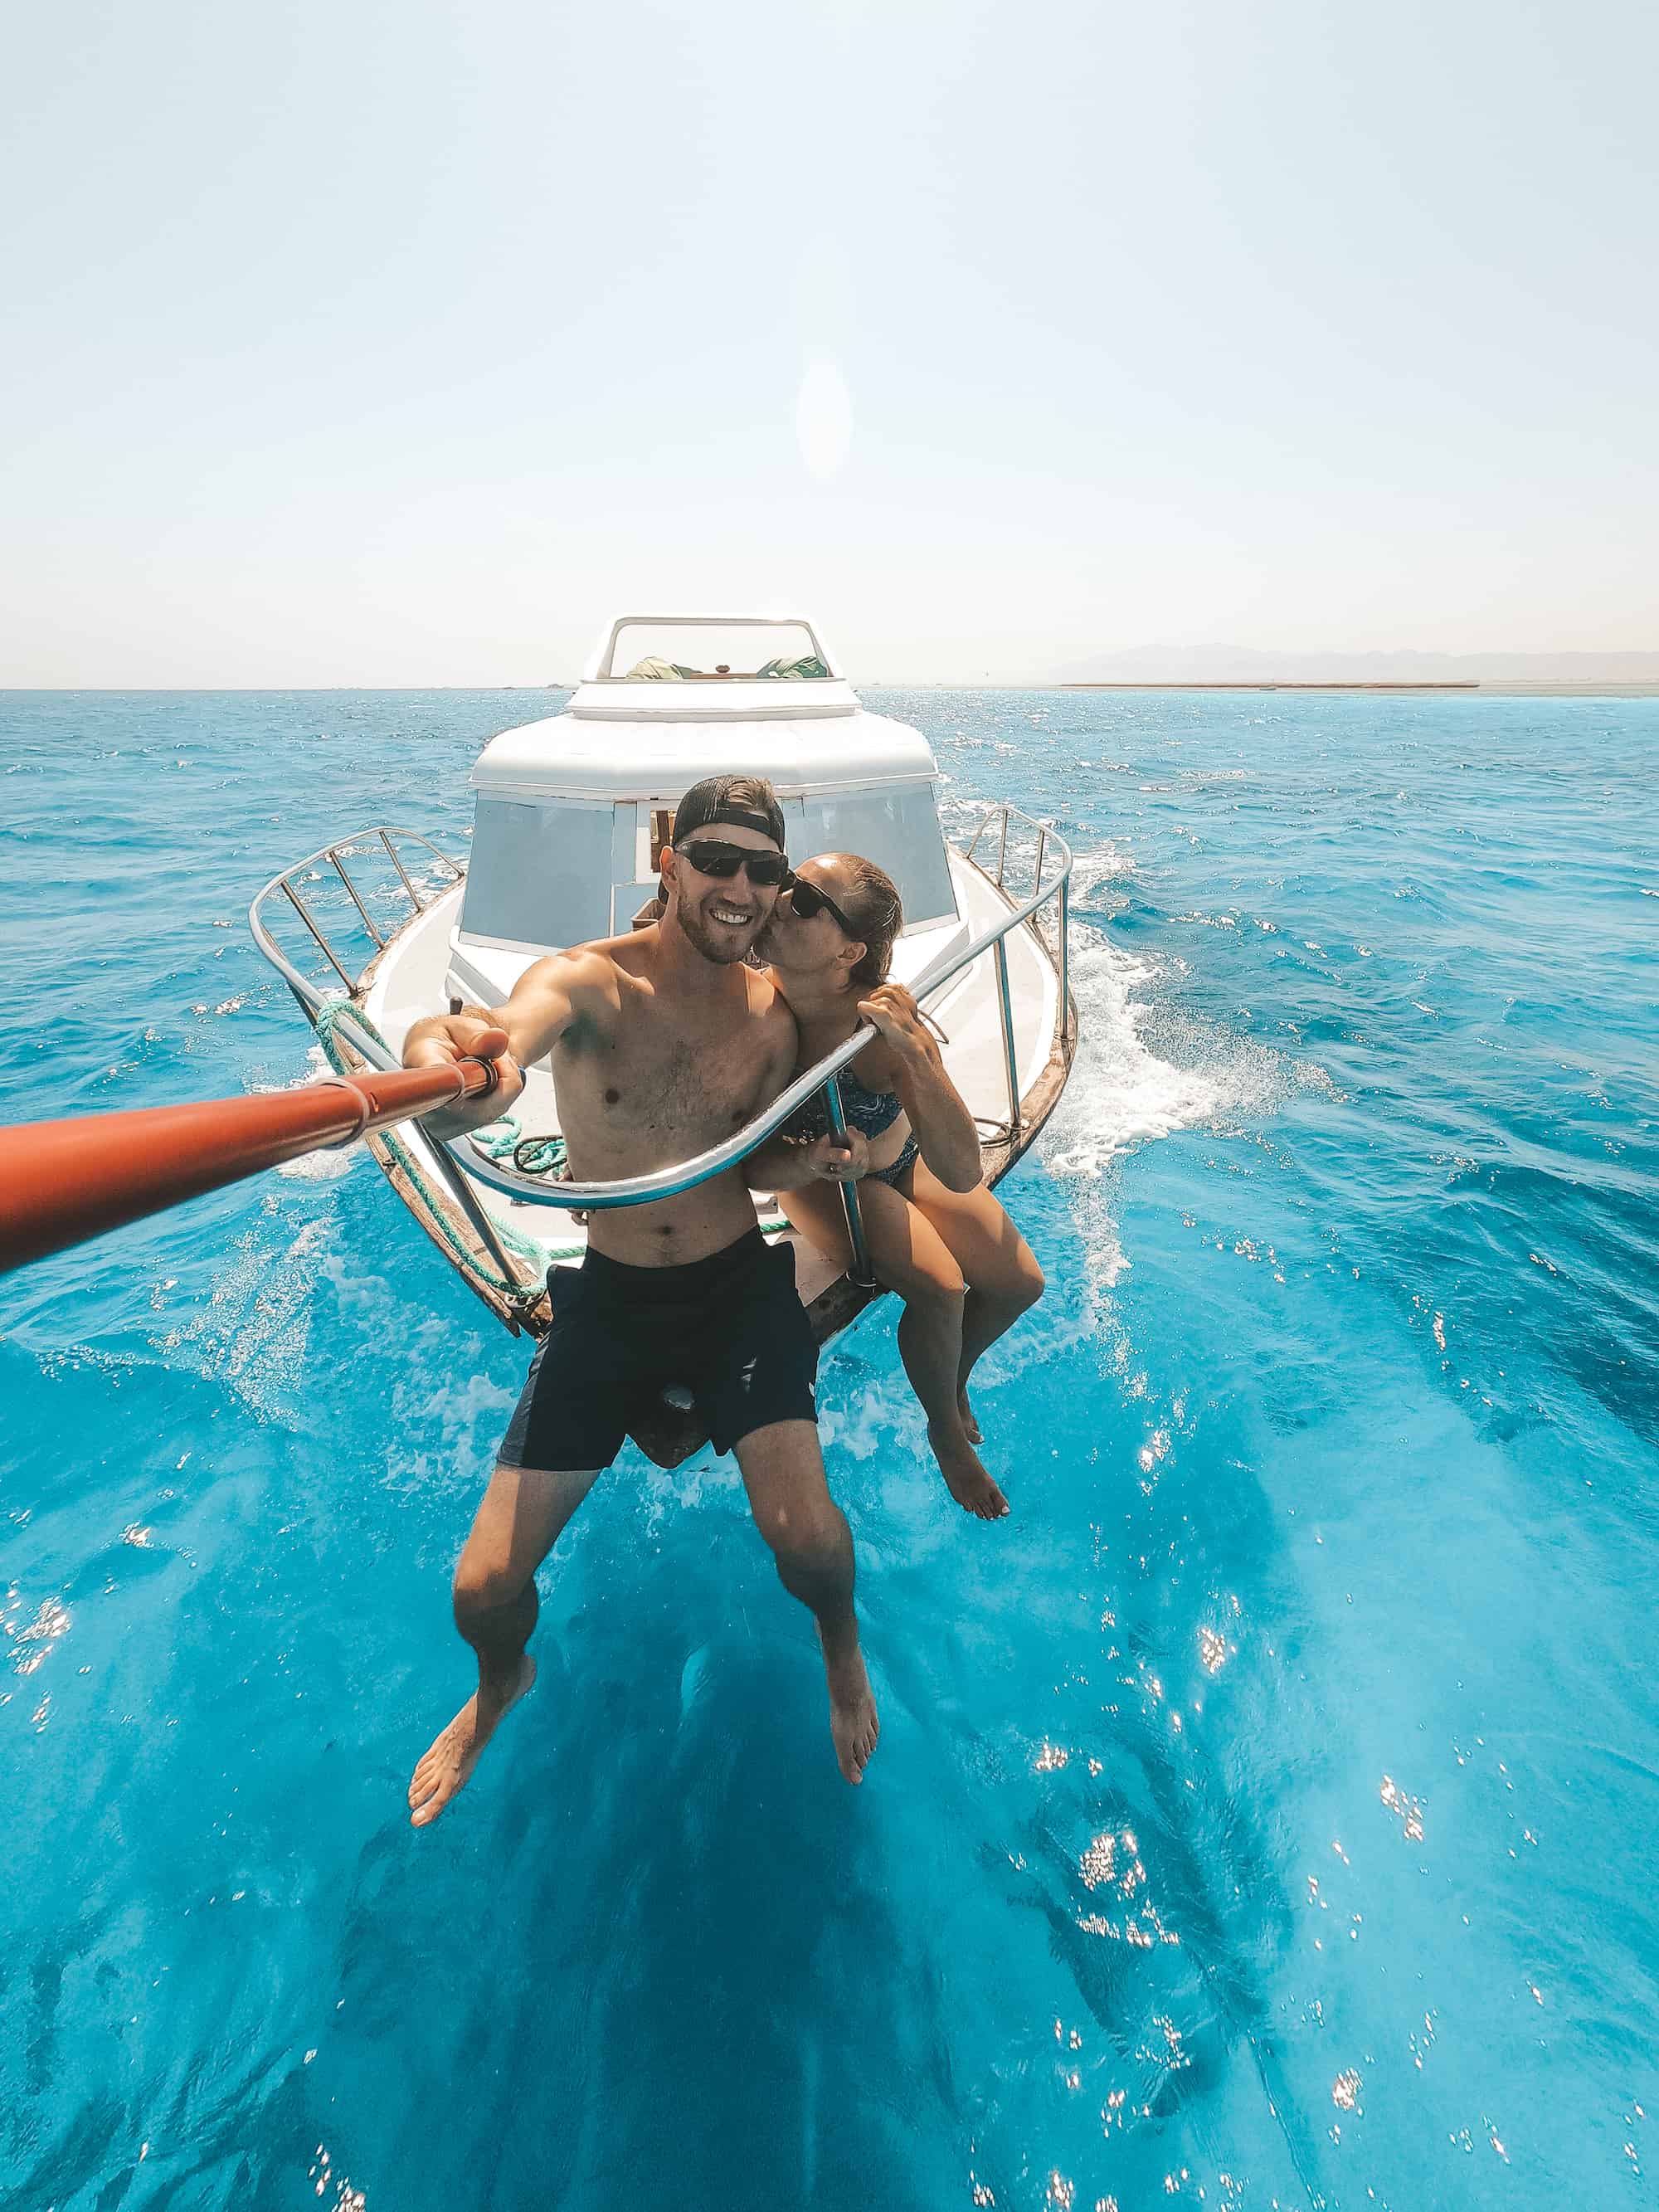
(807, 901)
(721, 861)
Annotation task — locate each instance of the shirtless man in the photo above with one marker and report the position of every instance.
(663, 1042)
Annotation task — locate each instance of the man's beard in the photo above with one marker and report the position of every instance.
(696, 935)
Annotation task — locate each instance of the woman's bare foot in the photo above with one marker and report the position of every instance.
(966, 1479)
(447, 1766)
(853, 1722)
(970, 1427)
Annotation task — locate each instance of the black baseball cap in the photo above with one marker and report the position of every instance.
(747, 802)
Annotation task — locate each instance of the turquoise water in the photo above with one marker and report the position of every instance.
(1263, 1815)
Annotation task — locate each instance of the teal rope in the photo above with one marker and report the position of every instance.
(532, 1155)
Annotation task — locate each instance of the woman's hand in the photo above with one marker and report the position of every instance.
(898, 1019)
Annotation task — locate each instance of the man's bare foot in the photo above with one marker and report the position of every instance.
(853, 1722)
(967, 1481)
(447, 1766)
(970, 1427)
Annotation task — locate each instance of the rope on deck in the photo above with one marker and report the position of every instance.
(531, 1156)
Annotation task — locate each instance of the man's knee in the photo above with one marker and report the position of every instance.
(1028, 1285)
(485, 1580)
(805, 1538)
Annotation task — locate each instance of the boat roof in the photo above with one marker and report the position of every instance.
(655, 730)
(569, 756)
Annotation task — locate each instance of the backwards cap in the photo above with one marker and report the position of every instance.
(747, 802)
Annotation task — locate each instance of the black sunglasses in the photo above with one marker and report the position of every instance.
(807, 901)
(713, 857)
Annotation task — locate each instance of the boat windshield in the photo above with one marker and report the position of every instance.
(714, 653)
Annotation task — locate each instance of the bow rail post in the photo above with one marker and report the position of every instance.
(863, 1274)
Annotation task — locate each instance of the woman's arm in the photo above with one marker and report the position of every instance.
(940, 1121)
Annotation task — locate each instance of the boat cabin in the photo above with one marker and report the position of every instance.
(572, 812)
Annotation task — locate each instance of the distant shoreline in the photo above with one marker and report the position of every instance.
(1509, 687)
(1460, 684)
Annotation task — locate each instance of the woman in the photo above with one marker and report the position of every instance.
(937, 1237)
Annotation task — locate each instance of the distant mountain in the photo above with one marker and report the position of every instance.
(1238, 664)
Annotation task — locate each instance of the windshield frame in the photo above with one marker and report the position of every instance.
(604, 669)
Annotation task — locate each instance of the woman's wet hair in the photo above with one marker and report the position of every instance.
(871, 903)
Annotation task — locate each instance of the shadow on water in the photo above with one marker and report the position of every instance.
(638, 1967)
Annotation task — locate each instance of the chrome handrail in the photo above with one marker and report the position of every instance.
(685, 1174)
(310, 997)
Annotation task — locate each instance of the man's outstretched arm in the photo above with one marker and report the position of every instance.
(528, 1025)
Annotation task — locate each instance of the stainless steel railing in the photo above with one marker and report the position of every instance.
(686, 1175)
(291, 883)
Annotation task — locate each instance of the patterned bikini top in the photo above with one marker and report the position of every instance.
(869, 1112)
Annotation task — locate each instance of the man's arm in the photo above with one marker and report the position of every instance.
(529, 1025)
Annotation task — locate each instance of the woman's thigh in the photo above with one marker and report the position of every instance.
(974, 1226)
(907, 1252)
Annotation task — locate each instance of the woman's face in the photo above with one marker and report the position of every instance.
(809, 943)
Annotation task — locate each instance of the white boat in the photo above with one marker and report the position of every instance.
(571, 815)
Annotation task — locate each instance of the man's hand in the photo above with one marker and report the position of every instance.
(832, 1160)
(898, 1018)
(442, 1039)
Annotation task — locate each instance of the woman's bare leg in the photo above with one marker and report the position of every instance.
(1003, 1278)
(910, 1258)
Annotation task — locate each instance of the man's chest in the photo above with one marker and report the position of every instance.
(650, 1076)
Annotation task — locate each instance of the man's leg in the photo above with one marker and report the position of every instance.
(812, 1547)
(517, 1525)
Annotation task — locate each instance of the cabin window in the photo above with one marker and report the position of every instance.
(662, 835)
(540, 874)
(898, 829)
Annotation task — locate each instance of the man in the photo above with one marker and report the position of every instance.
(663, 1041)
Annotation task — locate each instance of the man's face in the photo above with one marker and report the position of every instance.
(721, 916)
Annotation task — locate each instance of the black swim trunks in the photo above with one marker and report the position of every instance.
(729, 1329)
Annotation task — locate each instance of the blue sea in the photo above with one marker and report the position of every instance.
(1264, 1815)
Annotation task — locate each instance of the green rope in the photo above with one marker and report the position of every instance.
(531, 1156)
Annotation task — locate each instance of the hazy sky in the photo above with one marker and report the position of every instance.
(374, 343)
